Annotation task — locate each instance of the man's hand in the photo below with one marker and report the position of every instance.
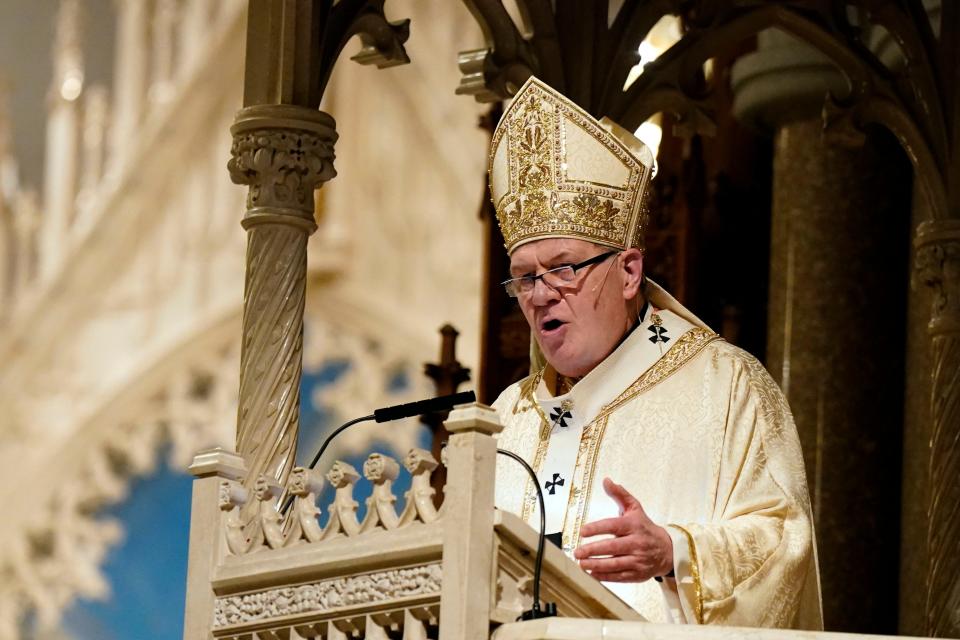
(641, 550)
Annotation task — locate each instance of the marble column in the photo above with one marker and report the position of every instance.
(283, 152)
(836, 321)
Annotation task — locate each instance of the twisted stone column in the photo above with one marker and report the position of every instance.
(938, 266)
(283, 153)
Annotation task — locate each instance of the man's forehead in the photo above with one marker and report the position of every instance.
(550, 249)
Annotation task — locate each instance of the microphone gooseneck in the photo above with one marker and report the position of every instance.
(336, 432)
(550, 608)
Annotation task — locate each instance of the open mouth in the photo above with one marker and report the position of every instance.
(551, 324)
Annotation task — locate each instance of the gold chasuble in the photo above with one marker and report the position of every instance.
(690, 425)
(700, 434)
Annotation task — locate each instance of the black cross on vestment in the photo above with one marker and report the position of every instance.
(559, 416)
(659, 333)
(551, 485)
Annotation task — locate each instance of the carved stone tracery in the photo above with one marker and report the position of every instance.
(318, 597)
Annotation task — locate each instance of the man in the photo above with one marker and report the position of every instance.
(668, 459)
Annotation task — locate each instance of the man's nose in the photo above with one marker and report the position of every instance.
(542, 292)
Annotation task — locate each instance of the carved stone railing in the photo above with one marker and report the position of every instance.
(269, 529)
(257, 573)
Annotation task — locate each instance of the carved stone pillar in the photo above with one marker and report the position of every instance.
(95, 118)
(130, 78)
(938, 266)
(63, 137)
(163, 27)
(283, 152)
(471, 458)
(8, 189)
(207, 545)
(194, 23)
(916, 447)
(836, 321)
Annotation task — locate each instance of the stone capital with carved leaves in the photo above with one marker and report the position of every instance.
(938, 266)
(283, 153)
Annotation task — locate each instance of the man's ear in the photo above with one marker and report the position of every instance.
(632, 272)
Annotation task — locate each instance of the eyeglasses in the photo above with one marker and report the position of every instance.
(553, 278)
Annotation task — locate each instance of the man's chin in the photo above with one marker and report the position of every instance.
(565, 366)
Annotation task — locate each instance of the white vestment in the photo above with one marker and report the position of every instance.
(701, 435)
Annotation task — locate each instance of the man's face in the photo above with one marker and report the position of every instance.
(577, 325)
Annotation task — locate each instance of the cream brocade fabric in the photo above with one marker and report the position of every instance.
(704, 439)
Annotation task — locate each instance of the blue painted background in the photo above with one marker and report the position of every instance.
(147, 570)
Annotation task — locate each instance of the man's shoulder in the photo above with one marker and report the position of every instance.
(724, 351)
(745, 371)
(509, 397)
(726, 359)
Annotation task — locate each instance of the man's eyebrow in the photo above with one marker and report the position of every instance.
(564, 257)
(517, 271)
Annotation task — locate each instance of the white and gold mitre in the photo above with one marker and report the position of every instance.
(556, 172)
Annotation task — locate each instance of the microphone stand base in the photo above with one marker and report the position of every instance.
(549, 611)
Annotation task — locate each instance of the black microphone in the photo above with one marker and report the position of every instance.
(396, 412)
(549, 608)
(420, 407)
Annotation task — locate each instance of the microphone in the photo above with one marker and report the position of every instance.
(396, 412)
(420, 407)
(550, 608)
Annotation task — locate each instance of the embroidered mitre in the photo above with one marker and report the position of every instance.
(556, 172)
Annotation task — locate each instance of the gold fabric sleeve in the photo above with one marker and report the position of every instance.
(751, 561)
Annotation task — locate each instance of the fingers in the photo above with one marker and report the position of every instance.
(616, 526)
(611, 565)
(609, 547)
(620, 576)
(622, 497)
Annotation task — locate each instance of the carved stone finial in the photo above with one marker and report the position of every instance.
(419, 461)
(231, 495)
(266, 489)
(303, 482)
(379, 468)
(342, 474)
(938, 267)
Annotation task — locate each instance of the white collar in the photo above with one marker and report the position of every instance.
(637, 353)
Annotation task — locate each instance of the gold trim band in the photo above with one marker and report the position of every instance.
(694, 570)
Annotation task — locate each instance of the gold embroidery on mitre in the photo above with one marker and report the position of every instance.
(556, 172)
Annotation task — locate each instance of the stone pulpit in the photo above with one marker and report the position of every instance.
(457, 571)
